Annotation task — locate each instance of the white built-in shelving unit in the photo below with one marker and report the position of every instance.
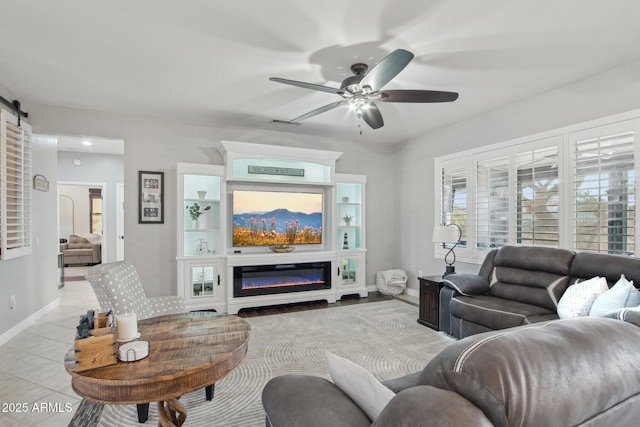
(206, 256)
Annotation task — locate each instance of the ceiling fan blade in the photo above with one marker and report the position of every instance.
(386, 69)
(318, 111)
(305, 85)
(372, 116)
(417, 96)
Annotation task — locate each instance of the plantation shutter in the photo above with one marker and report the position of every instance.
(603, 190)
(492, 202)
(537, 219)
(15, 187)
(453, 198)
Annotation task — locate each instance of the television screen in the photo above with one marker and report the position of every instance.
(266, 218)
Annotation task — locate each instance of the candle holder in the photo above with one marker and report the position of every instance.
(127, 327)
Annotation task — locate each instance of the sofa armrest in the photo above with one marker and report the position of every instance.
(97, 252)
(627, 314)
(305, 400)
(396, 385)
(632, 315)
(467, 284)
(63, 246)
(426, 405)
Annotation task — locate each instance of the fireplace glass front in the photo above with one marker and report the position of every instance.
(280, 278)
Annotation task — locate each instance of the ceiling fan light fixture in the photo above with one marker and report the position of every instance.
(358, 104)
(363, 88)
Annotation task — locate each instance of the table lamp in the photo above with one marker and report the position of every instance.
(450, 233)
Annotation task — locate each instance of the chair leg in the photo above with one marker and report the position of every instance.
(143, 412)
(209, 391)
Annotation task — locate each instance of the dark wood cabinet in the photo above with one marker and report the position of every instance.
(429, 301)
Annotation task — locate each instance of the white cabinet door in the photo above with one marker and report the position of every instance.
(204, 284)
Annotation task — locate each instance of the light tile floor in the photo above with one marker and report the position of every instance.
(35, 389)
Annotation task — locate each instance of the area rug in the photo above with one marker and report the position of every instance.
(383, 337)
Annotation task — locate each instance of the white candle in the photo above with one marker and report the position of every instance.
(127, 326)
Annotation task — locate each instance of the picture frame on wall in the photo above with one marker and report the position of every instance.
(150, 197)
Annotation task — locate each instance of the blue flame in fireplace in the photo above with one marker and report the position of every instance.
(282, 281)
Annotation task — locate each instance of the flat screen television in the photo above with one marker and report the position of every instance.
(267, 218)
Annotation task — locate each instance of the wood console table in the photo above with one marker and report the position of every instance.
(187, 352)
(429, 311)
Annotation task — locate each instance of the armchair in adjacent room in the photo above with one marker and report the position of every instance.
(83, 249)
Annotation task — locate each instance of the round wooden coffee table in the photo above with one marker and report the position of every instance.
(186, 352)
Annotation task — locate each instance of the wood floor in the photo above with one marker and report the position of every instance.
(312, 305)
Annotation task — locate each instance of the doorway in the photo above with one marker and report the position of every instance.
(91, 174)
(120, 222)
(81, 221)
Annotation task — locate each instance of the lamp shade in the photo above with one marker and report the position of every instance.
(445, 234)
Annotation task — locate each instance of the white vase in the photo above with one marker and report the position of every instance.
(195, 224)
(202, 195)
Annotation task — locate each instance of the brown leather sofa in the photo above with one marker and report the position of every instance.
(83, 249)
(520, 285)
(573, 372)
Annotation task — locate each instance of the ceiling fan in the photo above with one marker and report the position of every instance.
(364, 87)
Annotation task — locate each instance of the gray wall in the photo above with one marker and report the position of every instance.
(157, 145)
(613, 92)
(33, 279)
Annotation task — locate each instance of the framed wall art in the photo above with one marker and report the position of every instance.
(151, 197)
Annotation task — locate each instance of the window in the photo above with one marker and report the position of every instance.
(453, 191)
(537, 191)
(15, 187)
(604, 191)
(95, 210)
(517, 195)
(492, 202)
(573, 188)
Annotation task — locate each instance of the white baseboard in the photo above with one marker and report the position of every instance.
(412, 292)
(31, 320)
(408, 291)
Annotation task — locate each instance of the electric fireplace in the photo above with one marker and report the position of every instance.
(280, 278)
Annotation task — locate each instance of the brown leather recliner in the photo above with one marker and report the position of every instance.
(573, 372)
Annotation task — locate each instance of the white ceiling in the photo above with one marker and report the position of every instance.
(93, 145)
(209, 61)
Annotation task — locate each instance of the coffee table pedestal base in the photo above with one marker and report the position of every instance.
(171, 413)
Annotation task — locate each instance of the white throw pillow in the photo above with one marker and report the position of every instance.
(578, 298)
(622, 294)
(359, 384)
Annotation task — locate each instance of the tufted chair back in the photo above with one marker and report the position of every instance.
(118, 288)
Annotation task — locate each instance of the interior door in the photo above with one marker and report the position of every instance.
(119, 222)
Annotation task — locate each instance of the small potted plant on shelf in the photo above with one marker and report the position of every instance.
(195, 211)
(347, 219)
